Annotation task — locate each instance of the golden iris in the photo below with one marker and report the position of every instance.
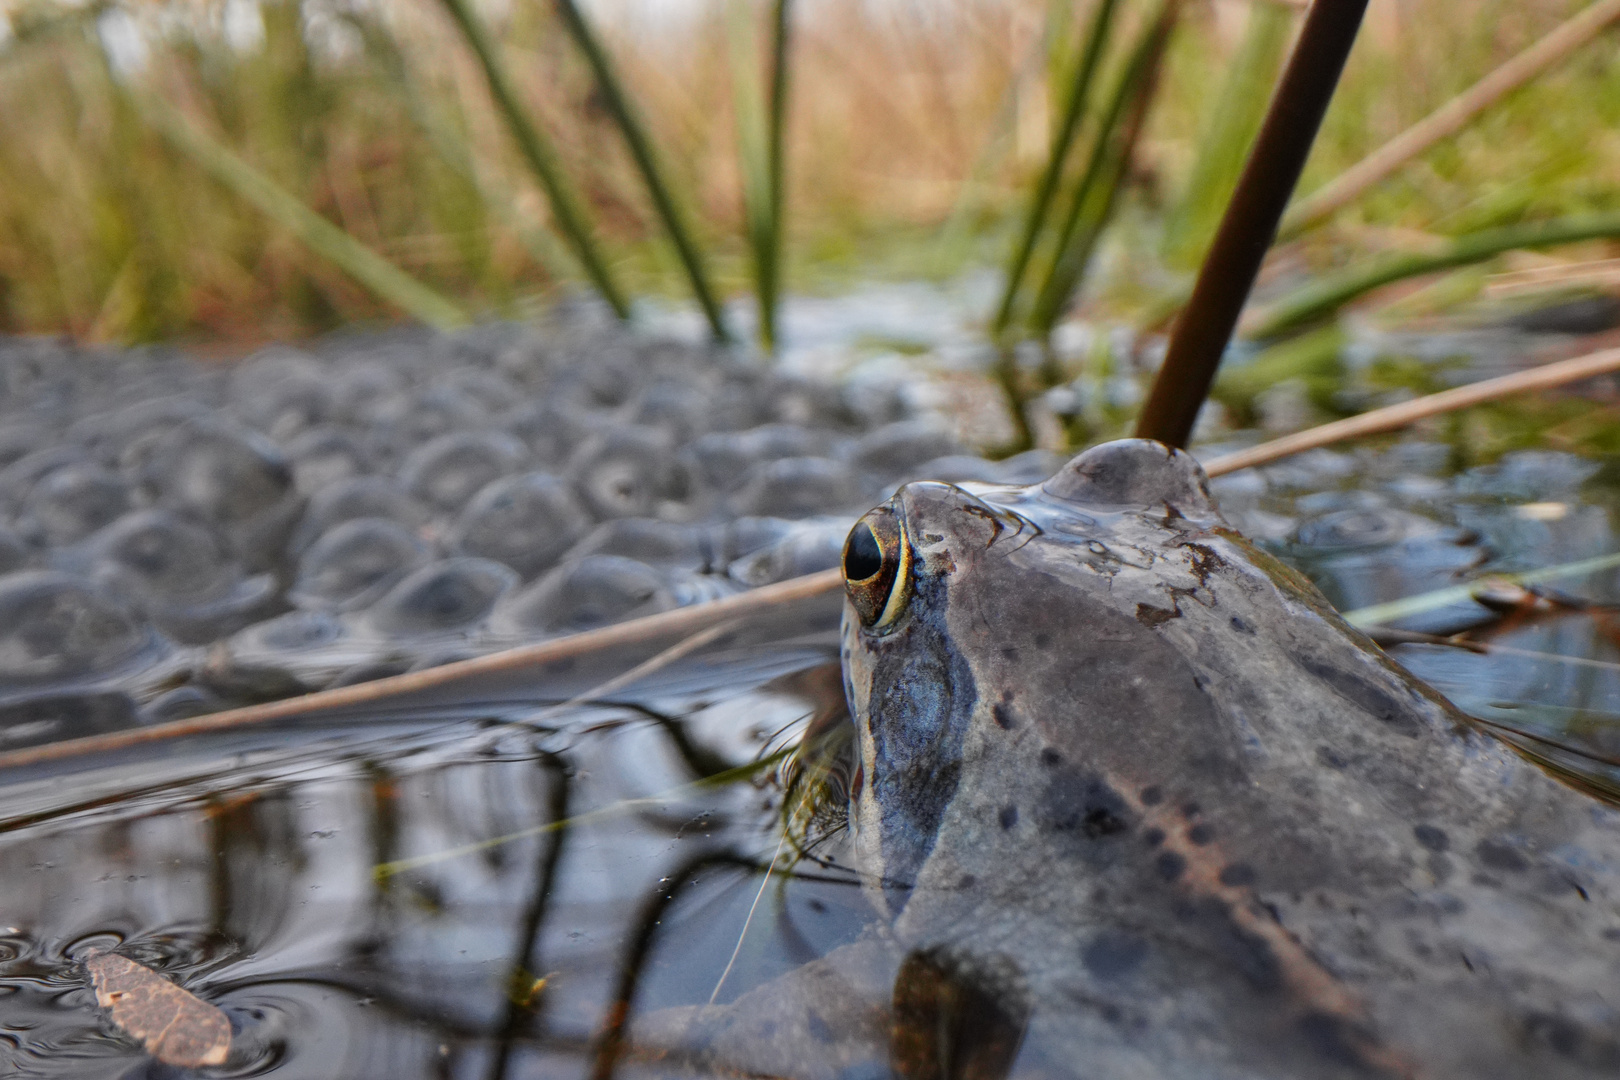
(876, 568)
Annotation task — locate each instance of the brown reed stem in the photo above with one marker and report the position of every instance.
(1250, 221)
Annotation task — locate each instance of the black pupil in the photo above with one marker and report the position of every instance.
(862, 557)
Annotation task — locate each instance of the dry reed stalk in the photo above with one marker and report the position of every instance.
(1449, 118)
(1249, 224)
(686, 620)
(1410, 412)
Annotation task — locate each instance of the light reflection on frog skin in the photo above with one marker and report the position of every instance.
(1174, 819)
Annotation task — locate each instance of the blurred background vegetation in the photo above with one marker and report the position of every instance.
(915, 132)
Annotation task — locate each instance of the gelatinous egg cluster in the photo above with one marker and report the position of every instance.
(178, 537)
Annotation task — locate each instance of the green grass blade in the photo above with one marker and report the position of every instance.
(1040, 203)
(1325, 296)
(641, 149)
(1451, 118)
(770, 268)
(452, 147)
(541, 158)
(1097, 192)
(1231, 129)
(373, 271)
(753, 138)
(1383, 614)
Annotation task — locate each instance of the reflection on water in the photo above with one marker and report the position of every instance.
(446, 899)
(501, 889)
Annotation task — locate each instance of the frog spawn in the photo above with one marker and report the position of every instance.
(248, 468)
(371, 504)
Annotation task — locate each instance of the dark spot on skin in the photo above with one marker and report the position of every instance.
(1042, 640)
(1152, 796)
(819, 1029)
(1191, 810)
(950, 1019)
(1151, 616)
(1076, 803)
(1432, 838)
(1003, 716)
(1051, 757)
(1009, 653)
(1237, 875)
(1327, 756)
(1100, 821)
(1500, 856)
(816, 906)
(1154, 837)
(1113, 954)
(1554, 1032)
(1334, 1038)
(1612, 934)
(1008, 816)
(967, 882)
(1364, 694)
(1170, 865)
(1200, 834)
(1249, 955)
(1240, 626)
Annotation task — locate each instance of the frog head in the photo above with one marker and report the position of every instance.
(1001, 658)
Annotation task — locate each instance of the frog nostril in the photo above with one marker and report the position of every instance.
(863, 558)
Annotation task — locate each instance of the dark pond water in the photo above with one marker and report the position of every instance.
(427, 891)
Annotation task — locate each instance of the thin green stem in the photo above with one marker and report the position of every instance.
(537, 151)
(1098, 190)
(1382, 614)
(1046, 188)
(1230, 131)
(641, 149)
(450, 144)
(770, 265)
(321, 236)
(1325, 296)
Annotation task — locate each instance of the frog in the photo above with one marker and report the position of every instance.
(1133, 800)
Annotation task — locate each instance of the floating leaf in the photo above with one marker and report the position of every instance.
(176, 1026)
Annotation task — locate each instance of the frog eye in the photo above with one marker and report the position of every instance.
(877, 567)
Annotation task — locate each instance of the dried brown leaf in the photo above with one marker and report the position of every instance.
(176, 1026)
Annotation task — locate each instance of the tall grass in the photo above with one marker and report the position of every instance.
(761, 116)
(905, 115)
(1228, 132)
(1076, 98)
